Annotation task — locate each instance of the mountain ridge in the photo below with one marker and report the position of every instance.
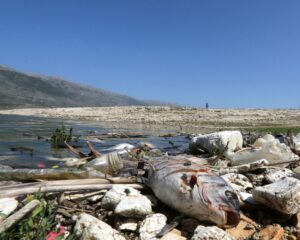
(20, 89)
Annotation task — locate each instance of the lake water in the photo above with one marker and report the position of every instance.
(22, 131)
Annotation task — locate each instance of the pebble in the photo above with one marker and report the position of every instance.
(116, 194)
(271, 232)
(88, 227)
(209, 233)
(151, 226)
(134, 206)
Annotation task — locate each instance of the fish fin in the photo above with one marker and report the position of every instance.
(170, 226)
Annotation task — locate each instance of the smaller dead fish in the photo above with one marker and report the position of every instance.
(194, 190)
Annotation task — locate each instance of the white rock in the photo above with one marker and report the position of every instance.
(216, 142)
(239, 182)
(7, 206)
(267, 148)
(116, 194)
(151, 226)
(283, 195)
(210, 233)
(88, 227)
(134, 206)
(275, 174)
(128, 224)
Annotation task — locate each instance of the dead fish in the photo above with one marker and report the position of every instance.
(194, 190)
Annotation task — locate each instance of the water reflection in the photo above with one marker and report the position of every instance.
(23, 131)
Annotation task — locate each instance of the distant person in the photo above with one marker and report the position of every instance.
(206, 105)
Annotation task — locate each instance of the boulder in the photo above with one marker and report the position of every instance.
(151, 226)
(209, 233)
(88, 227)
(282, 195)
(216, 142)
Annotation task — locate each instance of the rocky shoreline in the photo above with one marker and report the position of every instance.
(189, 120)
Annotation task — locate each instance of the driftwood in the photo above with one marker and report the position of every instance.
(118, 135)
(19, 215)
(24, 174)
(60, 186)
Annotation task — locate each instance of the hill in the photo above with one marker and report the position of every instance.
(20, 90)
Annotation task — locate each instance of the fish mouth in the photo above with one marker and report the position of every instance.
(232, 218)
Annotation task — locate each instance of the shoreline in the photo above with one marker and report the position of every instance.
(174, 118)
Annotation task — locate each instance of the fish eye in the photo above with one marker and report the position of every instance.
(230, 195)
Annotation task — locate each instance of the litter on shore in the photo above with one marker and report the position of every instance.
(218, 187)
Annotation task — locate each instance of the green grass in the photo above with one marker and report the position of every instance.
(272, 129)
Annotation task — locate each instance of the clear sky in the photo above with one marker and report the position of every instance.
(231, 53)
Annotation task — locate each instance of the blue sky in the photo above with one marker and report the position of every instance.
(231, 53)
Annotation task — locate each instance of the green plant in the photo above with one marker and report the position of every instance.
(60, 135)
(37, 224)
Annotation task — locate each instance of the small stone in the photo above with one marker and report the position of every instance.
(282, 195)
(134, 206)
(274, 174)
(7, 206)
(209, 233)
(239, 182)
(116, 194)
(128, 224)
(88, 227)
(243, 230)
(271, 232)
(291, 237)
(151, 226)
(175, 234)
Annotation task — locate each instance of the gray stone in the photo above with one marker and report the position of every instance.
(116, 194)
(238, 182)
(134, 206)
(88, 227)
(151, 226)
(128, 224)
(210, 233)
(275, 174)
(283, 195)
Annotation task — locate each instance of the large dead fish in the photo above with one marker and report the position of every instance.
(194, 191)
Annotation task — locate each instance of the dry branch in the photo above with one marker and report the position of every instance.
(19, 215)
(30, 188)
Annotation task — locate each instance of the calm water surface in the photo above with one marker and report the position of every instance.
(22, 131)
